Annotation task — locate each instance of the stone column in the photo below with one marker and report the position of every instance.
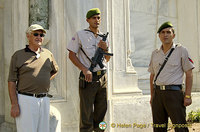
(124, 77)
(190, 39)
(15, 21)
(2, 63)
(123, 92)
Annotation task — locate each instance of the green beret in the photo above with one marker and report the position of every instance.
(165, 25)
(92, 12)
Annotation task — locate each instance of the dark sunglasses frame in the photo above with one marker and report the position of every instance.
(36, 34)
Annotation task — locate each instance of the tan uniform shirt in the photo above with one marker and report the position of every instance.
(32, 71)
(173, 71)
(88, 42)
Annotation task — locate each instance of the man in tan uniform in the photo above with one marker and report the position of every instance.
(167, 97)
(92, 84)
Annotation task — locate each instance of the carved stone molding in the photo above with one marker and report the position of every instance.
(129, 66)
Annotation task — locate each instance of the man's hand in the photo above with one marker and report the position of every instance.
(188, 89)
(88, 75)
(77, 63)
(15, 111)
(187, 101)
(103, 45)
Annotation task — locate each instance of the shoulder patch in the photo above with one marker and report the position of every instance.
(73, 38)
(190, 60)
(156, 50)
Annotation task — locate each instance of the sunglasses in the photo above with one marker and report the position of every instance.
(36, 34)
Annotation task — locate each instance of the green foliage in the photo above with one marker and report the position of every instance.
(194, 116)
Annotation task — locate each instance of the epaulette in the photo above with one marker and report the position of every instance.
(178, 45)
(156, 50)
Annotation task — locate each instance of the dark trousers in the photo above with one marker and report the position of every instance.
(93, 103)
(169, 103)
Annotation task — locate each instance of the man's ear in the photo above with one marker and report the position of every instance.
(159, 35)
(174, 36)
(27, 35)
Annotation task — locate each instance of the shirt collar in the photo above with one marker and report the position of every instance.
(89, 31)
(27, 49)
(173, 46)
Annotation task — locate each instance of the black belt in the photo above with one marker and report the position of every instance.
(99, 73)
(168, 87)
(40, 95)
(94, 74)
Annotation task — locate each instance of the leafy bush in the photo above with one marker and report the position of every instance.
(194, 116)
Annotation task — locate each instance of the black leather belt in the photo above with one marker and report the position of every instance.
(99, 73)
(168, 87)
(94, 74)
(37, 95)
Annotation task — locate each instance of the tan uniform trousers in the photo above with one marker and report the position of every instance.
(169, 103)
(93, 103)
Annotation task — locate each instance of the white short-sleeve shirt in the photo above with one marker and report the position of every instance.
(173, 71)
(89, 44)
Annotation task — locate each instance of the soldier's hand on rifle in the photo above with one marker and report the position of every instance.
(88, 75)
(103, 45)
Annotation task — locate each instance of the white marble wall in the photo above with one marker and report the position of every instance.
(122, 78)
(188, 28)
(15, 24)
(145, 18)
(1, 64)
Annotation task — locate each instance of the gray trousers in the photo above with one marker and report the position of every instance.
(169, 103)
(93, 103)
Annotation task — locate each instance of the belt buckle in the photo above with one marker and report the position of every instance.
(40, 95)
(98, 73)
(162, 87)
(34, 95)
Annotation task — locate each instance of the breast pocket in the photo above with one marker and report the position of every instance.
(172, 65)
(156, 65)
(89, 50)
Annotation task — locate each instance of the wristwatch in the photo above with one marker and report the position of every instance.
(188, 96)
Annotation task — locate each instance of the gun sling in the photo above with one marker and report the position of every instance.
(161, 68)
(85, 54)
(82, 48)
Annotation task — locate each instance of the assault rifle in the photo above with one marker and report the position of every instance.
(99, 55)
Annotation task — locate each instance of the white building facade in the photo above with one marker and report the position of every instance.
(132, 27)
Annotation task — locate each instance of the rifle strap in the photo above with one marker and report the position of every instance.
(93, 32)
(161, 68)
(82, 48)
(85, 54)
(89, 31)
